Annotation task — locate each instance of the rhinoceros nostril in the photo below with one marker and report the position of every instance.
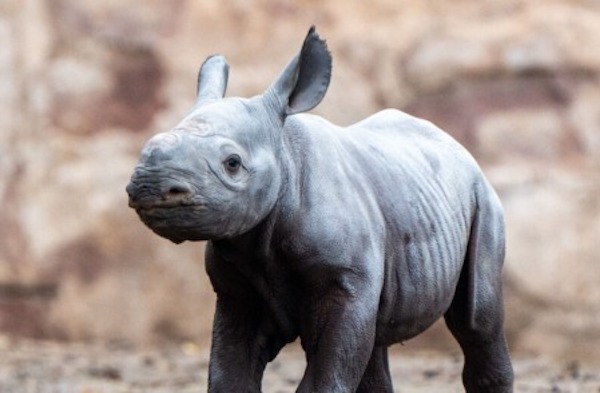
(176, 190)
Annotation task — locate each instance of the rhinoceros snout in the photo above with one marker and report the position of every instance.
(149, 194)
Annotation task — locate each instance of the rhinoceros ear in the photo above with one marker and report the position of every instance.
(303, 83)
(212, 79)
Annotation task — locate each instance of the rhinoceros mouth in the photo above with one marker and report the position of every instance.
(165, 214)
(152, 202)
(176, 223)
(165, 207)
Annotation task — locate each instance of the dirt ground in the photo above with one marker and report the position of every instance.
(28, 366)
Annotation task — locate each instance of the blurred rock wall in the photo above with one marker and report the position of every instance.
(85, 83)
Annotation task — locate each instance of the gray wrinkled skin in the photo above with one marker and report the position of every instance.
(351, 239)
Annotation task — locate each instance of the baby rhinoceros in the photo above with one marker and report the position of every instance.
(349, 238)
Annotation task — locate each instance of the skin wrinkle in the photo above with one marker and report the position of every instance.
(442, 197)
(428, 192)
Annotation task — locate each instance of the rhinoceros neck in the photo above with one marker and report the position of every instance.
(302, 135)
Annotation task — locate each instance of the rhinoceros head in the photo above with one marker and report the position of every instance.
(218, 173)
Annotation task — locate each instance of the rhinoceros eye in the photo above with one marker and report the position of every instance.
(233, 163)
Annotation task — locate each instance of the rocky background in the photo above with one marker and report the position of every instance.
(84, 83)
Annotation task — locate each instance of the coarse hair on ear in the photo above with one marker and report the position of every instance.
(303, 83)
(212, 79)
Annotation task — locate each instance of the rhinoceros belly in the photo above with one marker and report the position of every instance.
(427, 235)
(417, 291)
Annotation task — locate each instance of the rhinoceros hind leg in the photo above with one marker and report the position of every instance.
(487, 366)
(476, 315)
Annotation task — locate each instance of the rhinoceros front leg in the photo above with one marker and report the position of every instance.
(377, 378)
(243, 343)
(338, 336)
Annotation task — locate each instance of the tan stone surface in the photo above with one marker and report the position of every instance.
(84, 83)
